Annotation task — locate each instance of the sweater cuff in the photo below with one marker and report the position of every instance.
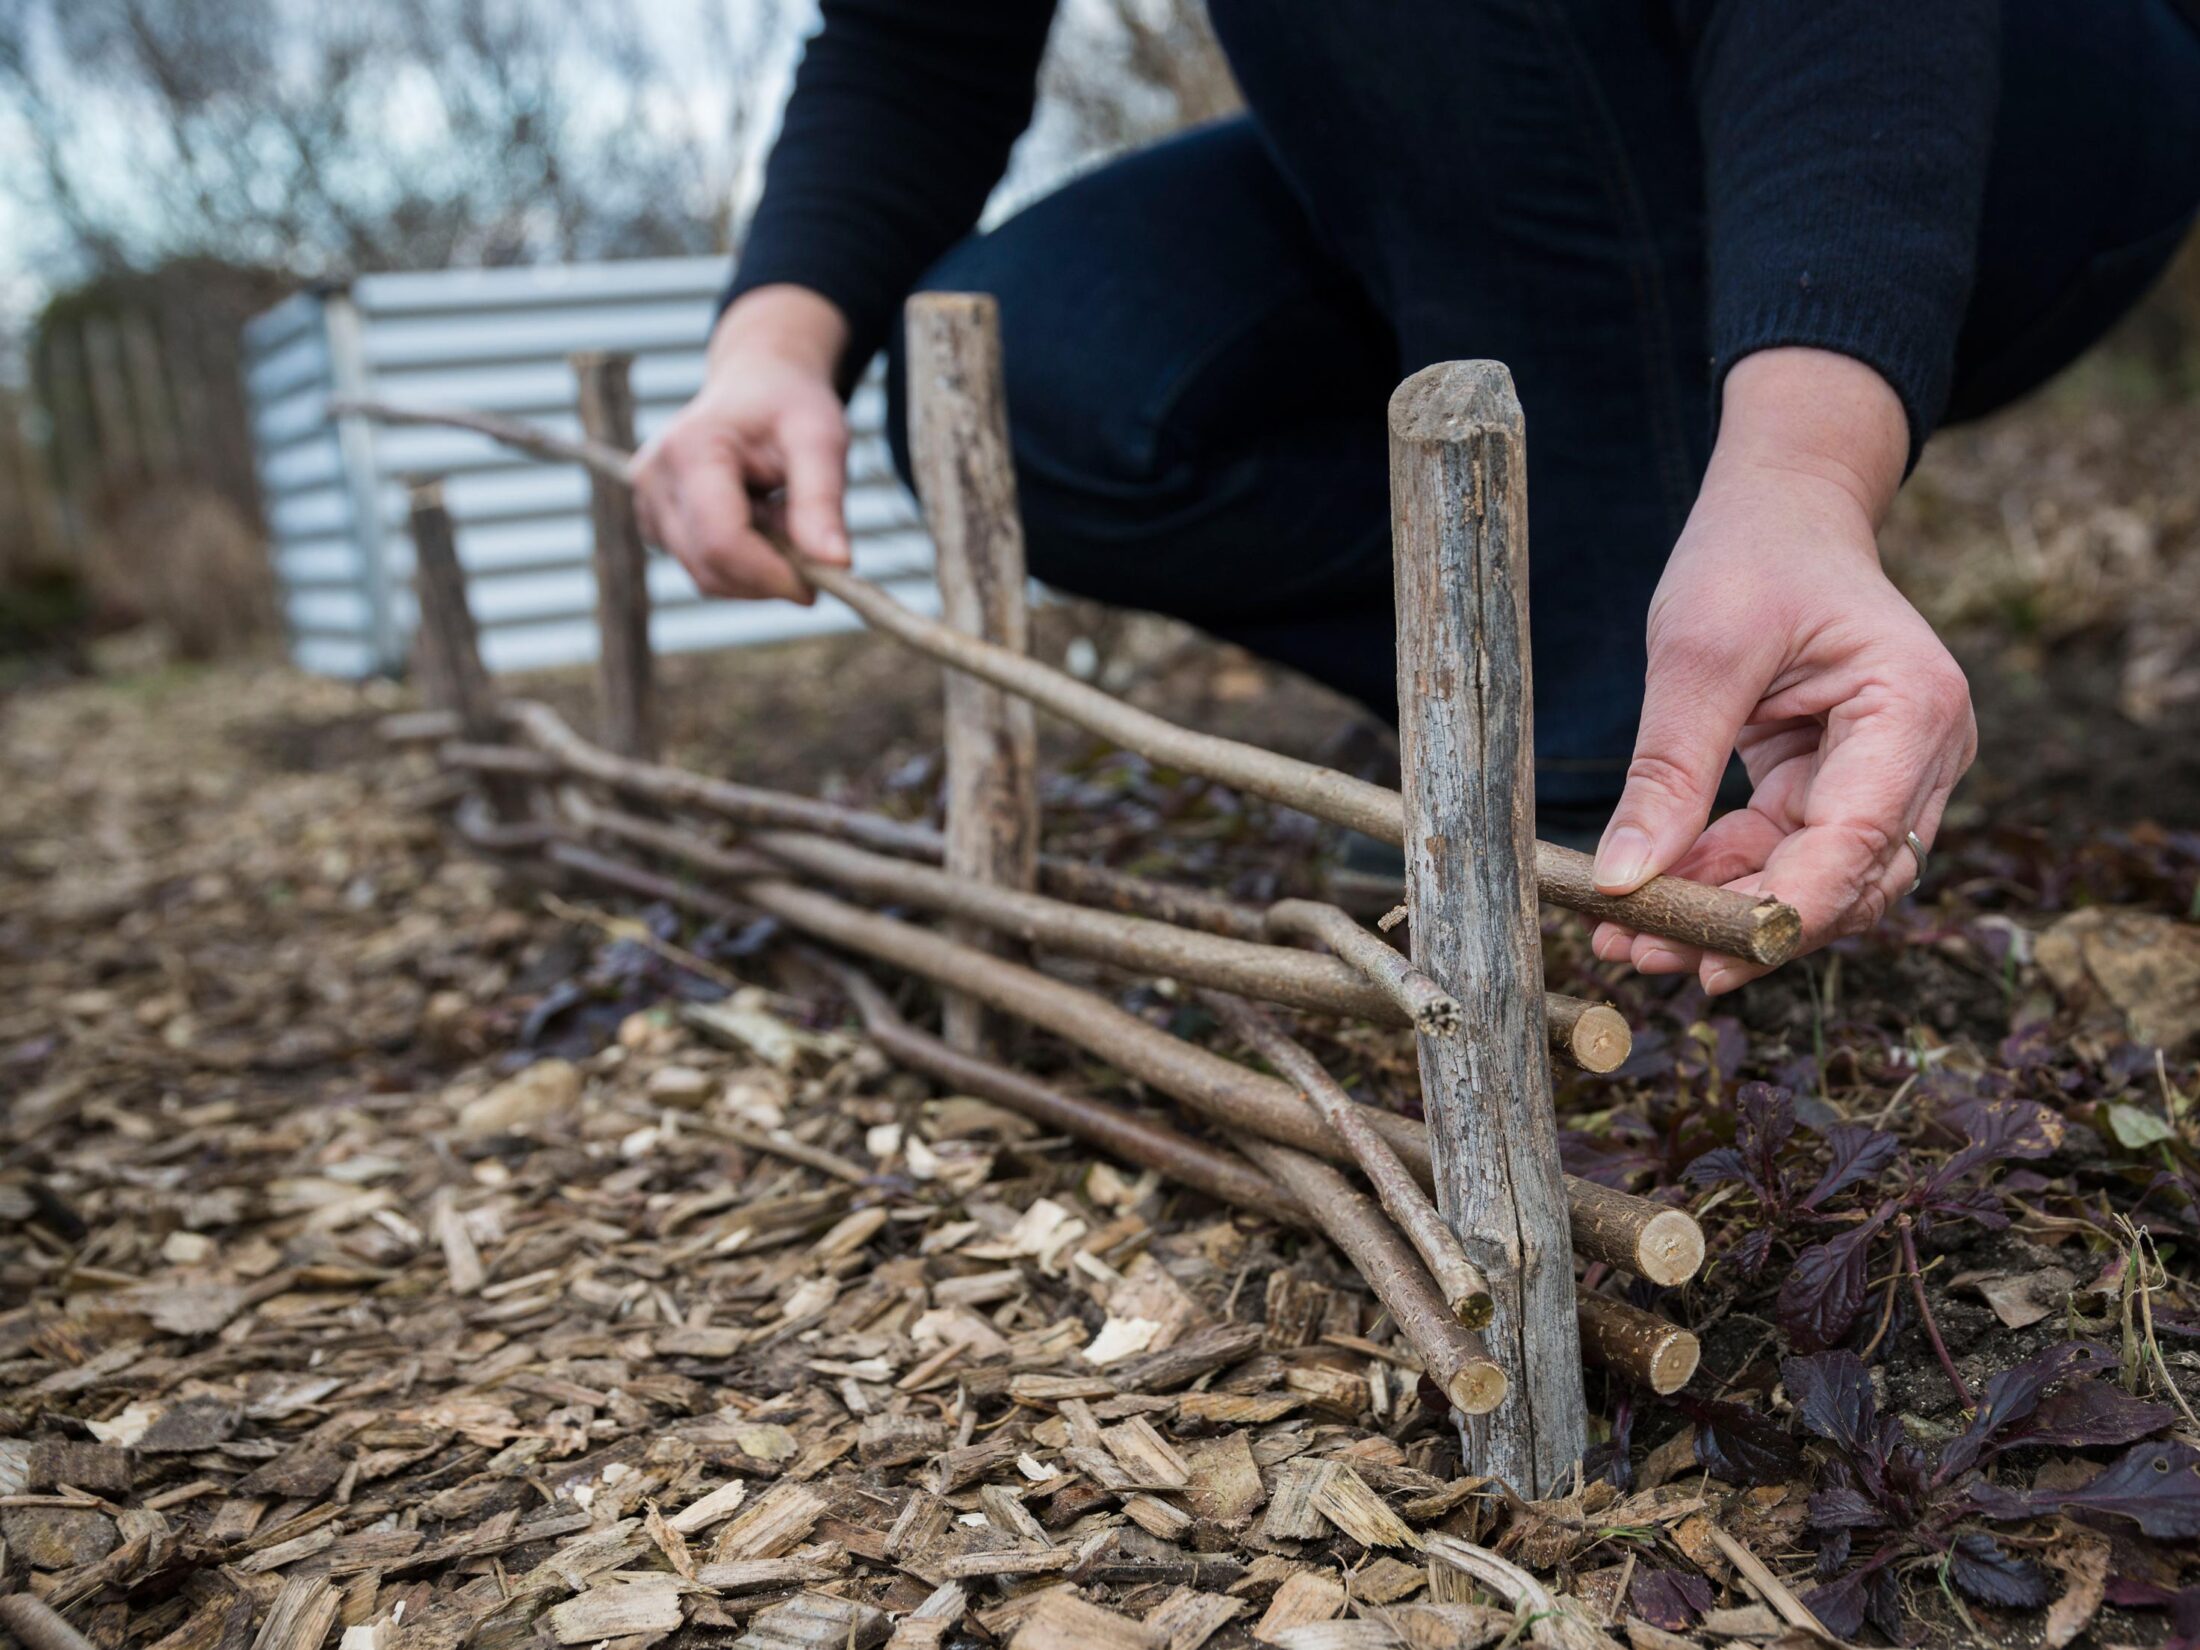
(1917, 361)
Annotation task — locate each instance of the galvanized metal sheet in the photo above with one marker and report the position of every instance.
(499, 341)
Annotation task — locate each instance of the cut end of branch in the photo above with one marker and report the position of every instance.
(1476, 1387)
(1778, 934)
(1673, 1363)
(1439, 1017)
(1473, 1308)
(1670, 1250)
(1601, 1039)
(1452, 399)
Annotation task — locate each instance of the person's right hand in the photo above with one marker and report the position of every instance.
(762, 448)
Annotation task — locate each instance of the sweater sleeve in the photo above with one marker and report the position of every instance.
(900, 123)
(1845, 153)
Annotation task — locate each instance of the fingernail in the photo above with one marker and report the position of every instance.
(1622, 858)
(1722, 977)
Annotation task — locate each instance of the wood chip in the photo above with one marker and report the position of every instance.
(1311, 1595)
(780, 1521)
(1186, 1619)
(1342, 1497)
(816, 1621)
(1062, 1621)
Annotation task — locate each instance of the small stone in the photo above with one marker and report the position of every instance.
(679, 1086)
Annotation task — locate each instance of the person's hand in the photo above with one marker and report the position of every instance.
(1775, 633)
(762, 448)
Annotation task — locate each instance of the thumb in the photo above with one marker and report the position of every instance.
(815, 451)
(1695, 700)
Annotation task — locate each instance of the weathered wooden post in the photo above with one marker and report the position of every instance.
(1459, 516)
(966, 477)
(447, 647)
(626, 690)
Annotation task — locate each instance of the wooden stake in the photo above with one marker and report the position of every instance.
(966, 478)
(1466, 1292)
(447, 647)
(626, 686)
(1459, 528)
(1639, 1345)
(1764, 931)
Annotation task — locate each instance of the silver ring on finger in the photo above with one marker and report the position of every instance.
(1917, 849)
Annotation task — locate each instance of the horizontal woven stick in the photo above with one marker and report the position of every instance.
(1428, 1007)
(1589, 1035)
(1639, 1345)
(1221, 1175)
(1466, 1291)
(1718, 919)
(1632, 1233)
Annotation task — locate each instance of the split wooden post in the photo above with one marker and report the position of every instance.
(447, 647)
(1459, 531)
(626, 688)
(966, 478)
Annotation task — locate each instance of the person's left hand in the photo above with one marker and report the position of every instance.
(1775, 633)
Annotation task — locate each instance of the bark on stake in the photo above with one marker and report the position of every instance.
(1466, 1292)
(626, 685)
(447, 644)
(966, 478)
(1459, 525)
(1715, 918)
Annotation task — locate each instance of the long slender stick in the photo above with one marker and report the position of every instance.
(1428, 1007)
(1149, 1145)
(38, 1625)
(1651, 1240)
(1590, 1035)
(1466, 1291)
(1229, 1094)
(1718, 919)
(1452, 1354)
(1221, 1175)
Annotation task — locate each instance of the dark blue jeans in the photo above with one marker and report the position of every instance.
(1200, 338)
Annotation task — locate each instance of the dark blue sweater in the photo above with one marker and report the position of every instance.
(1845, 148)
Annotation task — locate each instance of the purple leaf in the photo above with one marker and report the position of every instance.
(2089, 1413)
(1821, 1296)
(1721, 1163)
(1832, 1395)
(1839, 1604)
(1742, 1445)
(1842, 1507)
(1998, 1130)
(1860, 1152)
(1671, 1599)
(2010, 1397)
(2156, 1486)
(1749, 1255)
(1977, 1564)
